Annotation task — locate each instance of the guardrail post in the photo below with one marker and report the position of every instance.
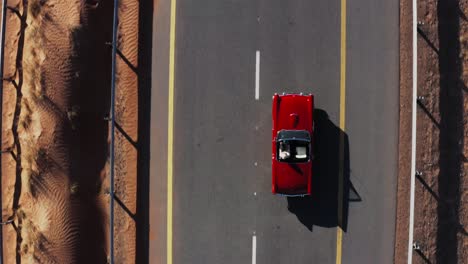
(416, 246)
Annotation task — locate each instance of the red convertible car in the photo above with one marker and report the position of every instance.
(292, 144)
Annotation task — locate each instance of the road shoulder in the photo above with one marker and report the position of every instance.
(404, 145)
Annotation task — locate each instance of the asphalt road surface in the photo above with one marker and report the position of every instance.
(223, 209)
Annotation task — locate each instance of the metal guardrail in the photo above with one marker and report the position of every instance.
(112, 129)
(2, 46)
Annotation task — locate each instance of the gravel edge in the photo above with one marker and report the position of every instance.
(404, 144)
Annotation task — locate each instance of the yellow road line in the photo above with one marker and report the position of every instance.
(339, 232)
(170, 130)
(339, 236)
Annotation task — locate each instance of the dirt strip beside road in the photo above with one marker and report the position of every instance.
(404, 146)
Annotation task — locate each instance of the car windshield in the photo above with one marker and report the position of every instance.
(293, 146)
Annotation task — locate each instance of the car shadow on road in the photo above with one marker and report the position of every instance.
(331, 187)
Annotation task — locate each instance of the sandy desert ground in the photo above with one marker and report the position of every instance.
(54, 128)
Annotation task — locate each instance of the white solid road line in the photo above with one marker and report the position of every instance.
(413, 133)
(254, 249)
(257, 75)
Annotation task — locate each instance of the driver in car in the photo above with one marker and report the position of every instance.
(284, 151)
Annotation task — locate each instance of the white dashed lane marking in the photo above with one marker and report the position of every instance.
(257, 75)
(254, 249)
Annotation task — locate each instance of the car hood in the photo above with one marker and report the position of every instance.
(295, 113)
